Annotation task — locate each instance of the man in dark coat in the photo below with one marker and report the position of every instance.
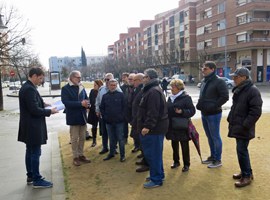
(32, 126)
(112, 110)
(153, 123)
(213, 94)
(75, 99)
(245, 111)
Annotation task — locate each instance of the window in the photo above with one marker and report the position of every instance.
(207, 13)
(208, 28)
(181, 17)
(200, 45)
(221, 24)
(241, 2)
(241, 37)
(200, 30)
(241, 19)
(207, 43)
(221, 41)
(221, 7)
(171, 21)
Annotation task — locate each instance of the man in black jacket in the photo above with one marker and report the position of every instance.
(213, 94)
(112, 110)
(245, 111)
(153, 123)
(32, 126)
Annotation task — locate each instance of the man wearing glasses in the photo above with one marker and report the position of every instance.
(75, 99)
(103, 90)
(213, 94)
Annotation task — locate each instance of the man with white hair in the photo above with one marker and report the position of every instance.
(75, 99)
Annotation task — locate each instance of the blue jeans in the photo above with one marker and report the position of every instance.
(116, 134)
(32, 156)
(243, 157)
(211, 125)
(104, 134)
(153, 148)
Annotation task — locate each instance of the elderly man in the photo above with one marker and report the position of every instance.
(112, 110)
(245, 111)
(103, 90)
(32, 126)
(75, 99)
(153, 123)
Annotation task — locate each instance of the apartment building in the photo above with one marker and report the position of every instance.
(232, 33)
(235, 33)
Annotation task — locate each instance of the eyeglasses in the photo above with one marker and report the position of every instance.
(77, 77)
(106, 79)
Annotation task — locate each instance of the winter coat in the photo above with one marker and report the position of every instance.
(32, 125)
(92, 117)
(245, 111)
(153, 112)
(71, 98)
(213, 94)
(112, 107)
(184, 102)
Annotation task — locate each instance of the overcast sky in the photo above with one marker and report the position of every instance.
(62, 27)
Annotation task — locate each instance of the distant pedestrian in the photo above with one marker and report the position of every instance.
(75, 99)
(32, 126)
(153, 123)
(245, 111)
(213, 94)
(92, 117)
(164, 85)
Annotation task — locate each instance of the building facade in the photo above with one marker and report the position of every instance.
(232, 33)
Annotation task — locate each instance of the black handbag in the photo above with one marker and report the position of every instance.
(180, 123)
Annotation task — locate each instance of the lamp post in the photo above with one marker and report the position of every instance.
(2, 39)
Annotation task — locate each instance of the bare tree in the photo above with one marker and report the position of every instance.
(11, 40)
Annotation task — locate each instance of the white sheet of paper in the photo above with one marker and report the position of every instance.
(58, 105)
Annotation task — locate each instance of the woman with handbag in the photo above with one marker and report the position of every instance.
(92, 117)
(180, 110)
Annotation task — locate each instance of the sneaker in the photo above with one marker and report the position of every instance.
(149, 179)
(215, 164)
(29, 180)
(151, 184)
(123, 159)
(209, 160)
(42, 183)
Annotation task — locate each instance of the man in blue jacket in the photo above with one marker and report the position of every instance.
(112, 110)
(32, 126)
(75, 99)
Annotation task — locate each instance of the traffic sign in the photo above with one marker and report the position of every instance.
(12, 73)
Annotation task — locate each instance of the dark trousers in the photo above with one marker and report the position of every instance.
(125, 130)
(243, 157)
(32, 155)
(185, 152)
(104, 134)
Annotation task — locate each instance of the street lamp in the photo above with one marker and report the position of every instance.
(2, 29)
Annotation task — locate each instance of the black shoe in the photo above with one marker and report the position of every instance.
(123, 159)
(108, 157)
(140, 162)
(175, 165)
(136, 149)
(140, 156)
(143, 168)
(103, 151)
(93, 144)
(185, 168)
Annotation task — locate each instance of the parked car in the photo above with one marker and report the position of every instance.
(229, 82)
(4, 85)
(15, 85)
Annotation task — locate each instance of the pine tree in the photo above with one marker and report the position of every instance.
(83, 58)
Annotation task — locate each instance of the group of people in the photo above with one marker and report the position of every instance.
(141, 103)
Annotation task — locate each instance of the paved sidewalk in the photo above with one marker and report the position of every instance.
(12, 169)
